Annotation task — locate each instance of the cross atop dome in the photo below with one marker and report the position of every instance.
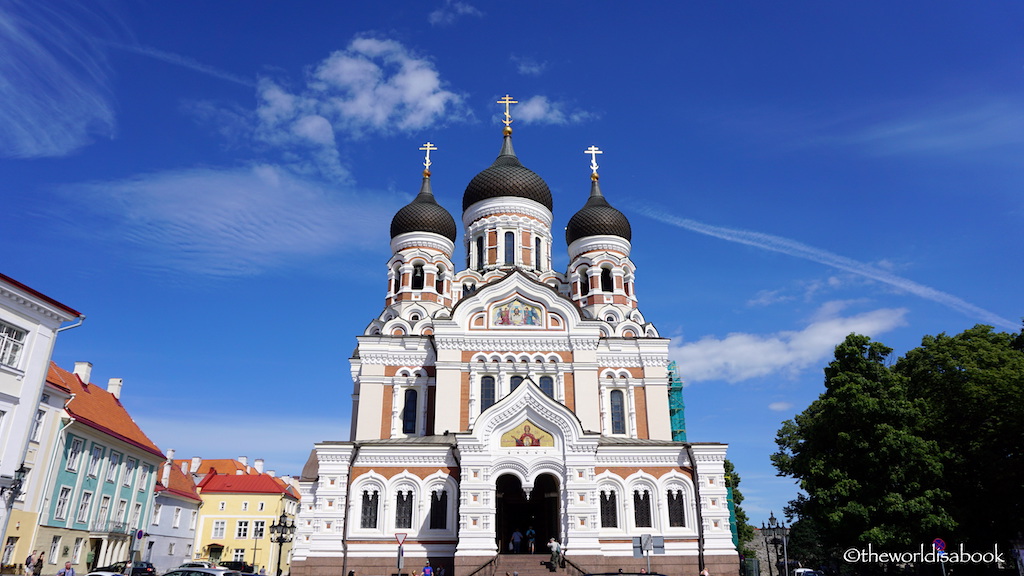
(593, 151)
(507, 101)
(426, 163)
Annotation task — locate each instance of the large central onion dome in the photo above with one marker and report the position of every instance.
(424, 214)
(597, 218)
(507, 177)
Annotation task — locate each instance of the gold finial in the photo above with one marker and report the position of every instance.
(507, 101)
(593, 151)
(426, 163)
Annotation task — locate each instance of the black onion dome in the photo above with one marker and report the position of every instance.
(424, 214)
(597, 218)
(507, 177)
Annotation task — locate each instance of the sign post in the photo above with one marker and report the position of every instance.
(400, 536)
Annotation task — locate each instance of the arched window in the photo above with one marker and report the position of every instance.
(398, 280)
(628, 288)
(584, 282)
(536, 254)
(368, 515)
(409, 412)
(486, 392)
(609, 510)
(606, 280)
(510, 248)
(642, 508)
(480, 259)
(439, 282)
(547, 385)
(438, 510)
(403, 509)
(618, 406)
(516, 381)
(676, 510)
(417, 277)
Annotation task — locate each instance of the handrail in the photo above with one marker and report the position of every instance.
(493, 563)
(575, 566)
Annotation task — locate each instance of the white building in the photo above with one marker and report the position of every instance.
(29, 322)
(507, 396)
(172, 526)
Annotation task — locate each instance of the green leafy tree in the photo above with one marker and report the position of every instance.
(868, 474)
(972, 386)
(744, 531)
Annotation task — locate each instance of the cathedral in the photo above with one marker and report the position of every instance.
(502, 404)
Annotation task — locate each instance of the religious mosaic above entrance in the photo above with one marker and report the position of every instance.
(517, 313)
(527, 434)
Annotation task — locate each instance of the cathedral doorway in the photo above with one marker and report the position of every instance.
(516, 511)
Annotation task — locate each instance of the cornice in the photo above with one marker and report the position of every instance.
(35, 307)
(422, 240)
(505, 205)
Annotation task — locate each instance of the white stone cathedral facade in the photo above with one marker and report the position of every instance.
(507, 396)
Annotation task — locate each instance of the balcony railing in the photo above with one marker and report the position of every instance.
(111, 527)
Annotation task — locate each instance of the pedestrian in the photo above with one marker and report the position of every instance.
(67, 571)
(427, 570)
(37, 568)
(556, 552)
(30, 562)
(531, 538)
(517, 541)
(263, 571)
(705, 572)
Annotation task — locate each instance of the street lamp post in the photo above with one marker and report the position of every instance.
(281, 533)
(778, 533)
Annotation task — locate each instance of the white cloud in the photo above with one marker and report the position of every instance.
(780, 406)
(184, 62)
(803, 251)
(232, 222)
(541, 110)
(54, 80)
(528, 66)
(739, 356)
(451, 11)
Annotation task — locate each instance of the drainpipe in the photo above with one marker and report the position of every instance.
(348, 505)
(700, 517)
(78, 322)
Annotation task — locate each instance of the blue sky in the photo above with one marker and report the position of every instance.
(212, 184)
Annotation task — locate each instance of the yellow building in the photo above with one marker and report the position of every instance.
(240, 504)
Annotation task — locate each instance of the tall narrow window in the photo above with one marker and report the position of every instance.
(676, 512)
(536, 254)
(510, 248)
(547, 385)
(584, 282)
(606, 280)
(409, 412)
(439, 281)
(417, 277)
(398, 280)
(609, 510)
(516, 381)
(403, 510)
(618, 407)
(642, 508)
(368, 517)
(486, 392)
(11, 342)
(438, 510)
(480, 259)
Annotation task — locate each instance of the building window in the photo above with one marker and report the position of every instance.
(259, 528)
(398, 280)
(12, 340)
(170, 548)
(37, 425)
(218, 529)
(480, 258)
(239, 555)
(368, 518)
(642, 508)
(439, 281)
(77, 555)
(609, 510)
(547, 385)
(136, 515)
(242, 530)
(438, 510)
(584, 282)
(403, 510)
(409, 412)
(618, 410)
(188, 551)
(144, 477)
(54, 549)
(122, 510)
(516, 381)
(83, 508)
(510, 248)
(606, 280)
(536, 254)
(245, 506)
(74, 454)
(259, 506)
(222, 506)
(192, 520)
(676, 512)
(486, 392)
(61, 510)
(417, 277)
(101, 516)
(115, 462)
(12, 541)
(94, 460)
(129, 471)
(176, 520)
(155, 521)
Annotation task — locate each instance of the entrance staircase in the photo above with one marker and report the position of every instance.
(530, 565)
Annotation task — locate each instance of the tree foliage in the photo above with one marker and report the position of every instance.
(744, 531)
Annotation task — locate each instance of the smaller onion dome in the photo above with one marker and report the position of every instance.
(507, 177)
(424, 214)
(597, 218)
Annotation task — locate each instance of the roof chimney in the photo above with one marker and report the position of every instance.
(196, 461)
(271, 473)
(114, 387)
(84, 371)
(170, 455)
(244, 460)
(184, 466)
(165, 478)
(258, 465)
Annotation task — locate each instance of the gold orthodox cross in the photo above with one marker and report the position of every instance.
(507, 101)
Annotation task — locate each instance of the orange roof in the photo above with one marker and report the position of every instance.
(178, 483)
(245, 483)
(100, 410)
(219, 466)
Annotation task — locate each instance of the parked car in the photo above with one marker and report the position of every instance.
(138, 569)
(199, 564)
(239, 566)
(203, 572)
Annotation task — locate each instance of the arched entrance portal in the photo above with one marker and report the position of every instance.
(540, 510)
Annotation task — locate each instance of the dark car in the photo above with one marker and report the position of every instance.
(138, 569)
(239, 566)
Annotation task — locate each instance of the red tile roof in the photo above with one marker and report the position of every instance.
(178, 482)
(223, 466)
(246, 484)
(100, 410)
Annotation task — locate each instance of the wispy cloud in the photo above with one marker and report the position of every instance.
(183, 61)
(780, 406)
(230, 222)
(800, 250)
(452, 10)
(54, 79)
(541, 110)
(741, 356)
(528, 66)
